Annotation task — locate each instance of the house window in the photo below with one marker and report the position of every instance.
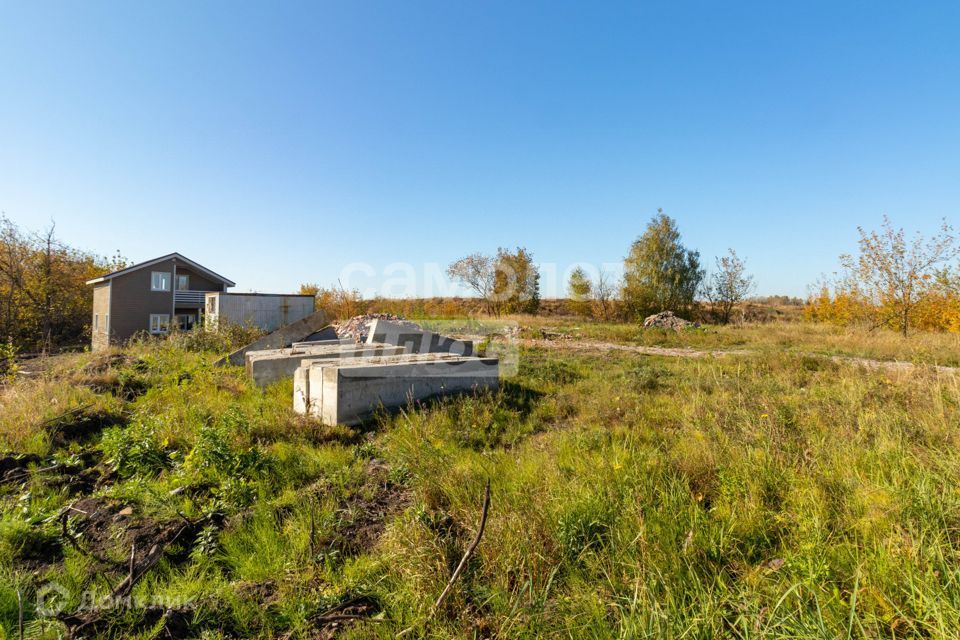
(159, 322)
(160, 281)
(96, 321)
(183, 282)
(106, 322)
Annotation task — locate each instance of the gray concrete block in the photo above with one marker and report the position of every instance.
(302, 377)
(350, 393)
(271, 366)
(320, 343)
(282, 337)
(416, 340)
(296, 347)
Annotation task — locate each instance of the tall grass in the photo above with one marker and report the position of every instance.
(772, 495)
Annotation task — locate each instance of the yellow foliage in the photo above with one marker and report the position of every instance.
(939, 311)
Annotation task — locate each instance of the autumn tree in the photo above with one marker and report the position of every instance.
(44, 300)
(894, 275)
(336, 302)
(508, 282)
(516, 282)
(604, 291)
(580, 290)
(728, 285)
(660, 274)
(476, 272)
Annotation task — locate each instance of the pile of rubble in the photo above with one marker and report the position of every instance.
(358, 327)
(666, 320)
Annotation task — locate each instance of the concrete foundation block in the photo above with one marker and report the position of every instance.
(298, 347)
(271, 366)
(283, 337)
(416, 340)
(302, 377)
(342, 393)
(320, 343)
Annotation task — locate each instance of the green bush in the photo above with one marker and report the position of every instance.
(136, 450)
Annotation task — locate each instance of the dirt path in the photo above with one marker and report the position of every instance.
(680, 352)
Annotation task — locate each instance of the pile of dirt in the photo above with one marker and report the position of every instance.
(357, 327)
(365, 513)
(14, 468)
(667, 320)
(107, 529)
(162, 622)
(333, 622)
(80, 424)
(113, 361)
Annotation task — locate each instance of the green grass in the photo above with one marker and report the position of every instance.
(771, 495)
(775, 337)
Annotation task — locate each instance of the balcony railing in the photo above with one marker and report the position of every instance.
(188, 297)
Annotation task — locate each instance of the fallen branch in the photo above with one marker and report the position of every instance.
(460, 567)
(125, 588)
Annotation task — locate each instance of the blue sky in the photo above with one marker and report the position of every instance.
(280, 143)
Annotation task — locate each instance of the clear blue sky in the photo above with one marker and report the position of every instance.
(279, 142)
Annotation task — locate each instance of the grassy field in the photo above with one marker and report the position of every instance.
(774, 494)
(801, 338)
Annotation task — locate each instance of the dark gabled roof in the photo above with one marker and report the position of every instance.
(150, 263)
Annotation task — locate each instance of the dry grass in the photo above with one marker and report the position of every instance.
(776, 337)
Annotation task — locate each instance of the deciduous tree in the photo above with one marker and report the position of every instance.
(477, 272)
(580, 290)
(44, 300)
(728, 285)
(516, 287)
(660, 274)
(894, 275)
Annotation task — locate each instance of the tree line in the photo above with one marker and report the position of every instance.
(659, 274)
(893, 281)
(44, 301)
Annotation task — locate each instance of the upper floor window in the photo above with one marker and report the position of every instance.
(160, 281)
(183, 282)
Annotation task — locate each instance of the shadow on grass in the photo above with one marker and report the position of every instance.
(511, 396)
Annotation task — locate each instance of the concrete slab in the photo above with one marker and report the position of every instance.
(317, 343)
(302, 376)
(349, 393)
(327, 333)
(295, 348)
(416, 340)
(269, 367)
(282, 337)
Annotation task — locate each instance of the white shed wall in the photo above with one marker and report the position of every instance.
(268, 312)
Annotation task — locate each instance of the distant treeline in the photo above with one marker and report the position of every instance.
(893, 282)
(339, 304)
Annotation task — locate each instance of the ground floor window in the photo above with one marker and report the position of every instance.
(186, 321)
(159, 322)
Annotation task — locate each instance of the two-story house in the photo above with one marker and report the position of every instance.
(150, 296)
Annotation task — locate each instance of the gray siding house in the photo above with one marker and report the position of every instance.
(150, 297)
